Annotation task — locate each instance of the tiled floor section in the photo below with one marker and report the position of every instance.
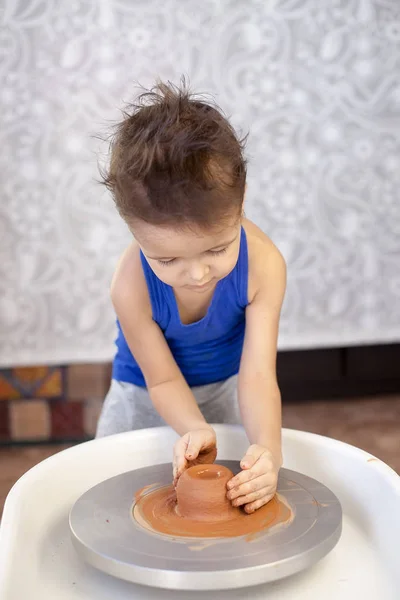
(371, 424)
(14, 462)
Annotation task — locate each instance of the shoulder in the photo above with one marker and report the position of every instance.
(128, 285)
(267, 267)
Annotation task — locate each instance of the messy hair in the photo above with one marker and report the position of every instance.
(175, 160)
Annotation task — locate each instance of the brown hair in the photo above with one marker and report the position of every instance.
(175, 160)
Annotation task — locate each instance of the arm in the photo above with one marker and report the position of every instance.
(258, 391)
(168, 390)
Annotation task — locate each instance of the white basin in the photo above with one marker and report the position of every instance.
(37, 560)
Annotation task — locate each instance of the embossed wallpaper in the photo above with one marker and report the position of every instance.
(316, 84)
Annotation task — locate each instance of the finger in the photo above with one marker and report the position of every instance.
(194, 445)
(250, 508)
(254, 485)
(180, 468)
(179, 461)
(253, 496)
(176, 475)
(178, 472)
(245, 476)
(176, 479)
(251, 457)
(180, 450)
(193, 448)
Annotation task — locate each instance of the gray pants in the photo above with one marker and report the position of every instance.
(127, 406)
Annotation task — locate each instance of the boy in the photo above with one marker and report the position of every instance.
(197, 294)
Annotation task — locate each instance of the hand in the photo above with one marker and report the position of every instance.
(256, 484)
(195, 447)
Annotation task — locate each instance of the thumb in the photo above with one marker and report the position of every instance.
(251, 457)
(179, 456)
(193, 447)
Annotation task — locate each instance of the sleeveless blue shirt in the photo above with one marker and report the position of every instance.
(206, 351)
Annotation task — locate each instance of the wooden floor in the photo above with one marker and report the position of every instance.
(371, 424)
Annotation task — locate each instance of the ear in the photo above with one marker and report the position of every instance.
(243, 214)
(244, 201)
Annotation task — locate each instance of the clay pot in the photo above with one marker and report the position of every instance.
(206, 457)
(201, 494)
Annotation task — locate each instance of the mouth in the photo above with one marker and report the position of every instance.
(200, 287)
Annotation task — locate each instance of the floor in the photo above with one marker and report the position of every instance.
(371, 424)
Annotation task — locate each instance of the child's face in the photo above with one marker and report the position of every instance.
(192, 259)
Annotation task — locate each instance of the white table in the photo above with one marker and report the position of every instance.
(37, 560)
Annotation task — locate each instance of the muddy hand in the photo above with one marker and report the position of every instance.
(256, 484)
(195, 447)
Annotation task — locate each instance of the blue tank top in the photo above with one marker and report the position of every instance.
(206, 351)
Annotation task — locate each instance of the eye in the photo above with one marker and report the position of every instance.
(165, 263)
(218, 252)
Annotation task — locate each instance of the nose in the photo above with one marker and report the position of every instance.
(198, 272)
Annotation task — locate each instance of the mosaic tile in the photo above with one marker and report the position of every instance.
(5, 433)
(31, 382)
(66, 420)
(29, 420)
(7, 390)
(52, 387)
(29, 375)
(86, 381)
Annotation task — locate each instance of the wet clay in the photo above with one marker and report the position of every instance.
(201, 494)
(199, 507)
(205, 457)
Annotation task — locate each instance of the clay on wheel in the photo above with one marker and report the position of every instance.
(199, 507)
(201, 494)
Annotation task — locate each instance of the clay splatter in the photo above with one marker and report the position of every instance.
(157, 511)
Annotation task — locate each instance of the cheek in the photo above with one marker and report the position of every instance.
(226, 265)
(167, 275)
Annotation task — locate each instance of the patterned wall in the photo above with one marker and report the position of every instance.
(317, 84)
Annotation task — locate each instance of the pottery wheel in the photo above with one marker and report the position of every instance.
(106, 536)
